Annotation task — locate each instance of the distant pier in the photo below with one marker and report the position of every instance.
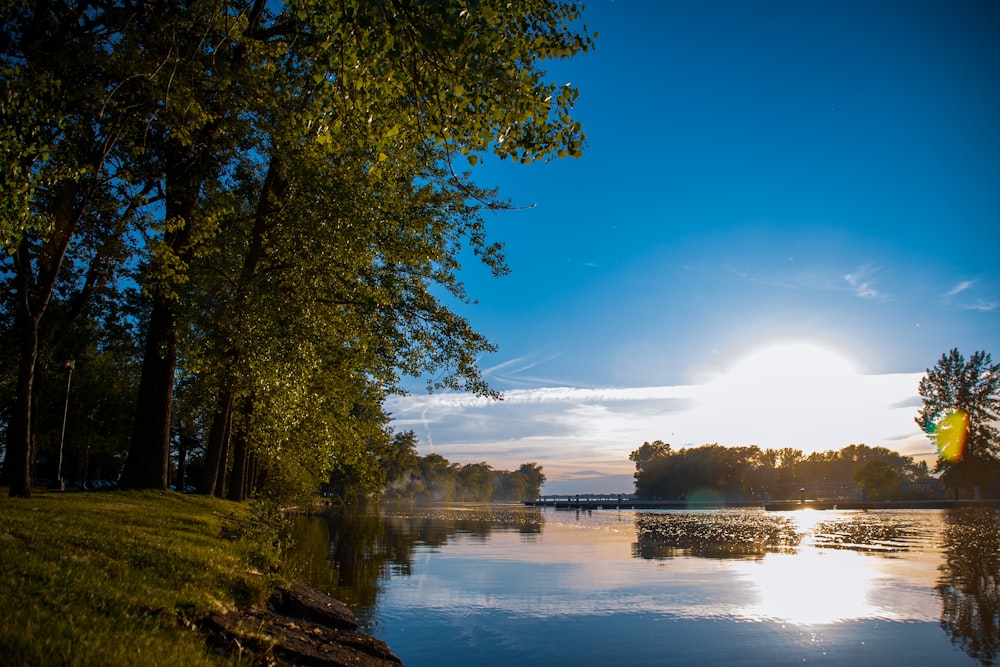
(628, 502)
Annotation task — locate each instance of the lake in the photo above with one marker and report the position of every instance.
(464, 584)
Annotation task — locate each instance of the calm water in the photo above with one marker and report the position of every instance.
(509, 585)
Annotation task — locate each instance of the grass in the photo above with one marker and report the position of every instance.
(110, 578)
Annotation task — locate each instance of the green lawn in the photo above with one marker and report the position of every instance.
(104, 578)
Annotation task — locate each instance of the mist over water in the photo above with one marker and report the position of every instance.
(506, 584)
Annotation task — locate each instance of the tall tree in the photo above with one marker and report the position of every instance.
(62, 194)
(961, 407)
(376, 83)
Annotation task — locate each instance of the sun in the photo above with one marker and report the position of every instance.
(797, 363)
(782, 394)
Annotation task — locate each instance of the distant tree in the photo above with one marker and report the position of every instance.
(788, 457)
(961, 405)
(877, 477)
(732, 472)
(533, 478)
(401, 456)
(647, 455)
(476, 482)
(439, 478)
(650, 462)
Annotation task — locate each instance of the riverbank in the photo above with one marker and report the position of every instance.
(126, 578)
(611, 502)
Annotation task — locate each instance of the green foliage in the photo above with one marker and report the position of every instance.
(280, 180)
(648, 454)
(877, 477)
(103, 578)
(742, 473)
(407, 476)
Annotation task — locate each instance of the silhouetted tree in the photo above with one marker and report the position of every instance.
(877, 477)
(752, 473)
(961, 407)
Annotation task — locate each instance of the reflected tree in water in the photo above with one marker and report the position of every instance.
(713, 535)
(969, 586)
(348, 551)
(867, 532)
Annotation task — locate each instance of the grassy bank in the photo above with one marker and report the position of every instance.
(109, 578)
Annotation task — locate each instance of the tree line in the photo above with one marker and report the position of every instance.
(402, 474)
(230, 229)
(751, 473)
(961, 407)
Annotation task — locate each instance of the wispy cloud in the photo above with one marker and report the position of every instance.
(513, 372)
(982, 305)
(573, 432)
(960, 287)
(862, 282)
(970, 297)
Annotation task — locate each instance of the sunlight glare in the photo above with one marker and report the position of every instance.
(782, 394)
(794, 363)
(812, 587)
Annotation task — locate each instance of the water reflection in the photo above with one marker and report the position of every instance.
(808, 567)
(347, 552)
(813, 588)
(494, 569)
(880, 532)
(969, 587)
(720, 534)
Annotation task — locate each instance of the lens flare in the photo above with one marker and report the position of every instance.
(951, 433)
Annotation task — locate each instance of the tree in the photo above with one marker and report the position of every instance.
(286, 183)
(877, 477)
(647, 454)
(961, 405)
(533, 478)
(399, 460)
(372, 83)
(64, 208)
(439, 478)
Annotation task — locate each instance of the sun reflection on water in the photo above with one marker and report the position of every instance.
(820, 583)
(812, 587)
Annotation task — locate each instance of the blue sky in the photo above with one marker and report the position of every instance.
(806, 180)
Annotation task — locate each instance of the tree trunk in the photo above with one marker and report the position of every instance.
(182, 452)
(220, 478)
(250, 481)
(216, 438)
(237, 481)
(148, 461)
(17, 464)
(241, 452)
(149, 449)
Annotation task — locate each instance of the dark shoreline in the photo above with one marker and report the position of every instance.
(624, 503)
(299, 626)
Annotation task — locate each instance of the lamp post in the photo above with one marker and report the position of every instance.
(68, 367)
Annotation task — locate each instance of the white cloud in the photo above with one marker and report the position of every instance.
(861, 282)
(814, 405)
(970, 299)
(982, 305)
(960, 287)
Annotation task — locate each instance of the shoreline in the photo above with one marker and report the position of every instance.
(299, 625)
(622, 503)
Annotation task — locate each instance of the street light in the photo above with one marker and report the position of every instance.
(68, 367)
